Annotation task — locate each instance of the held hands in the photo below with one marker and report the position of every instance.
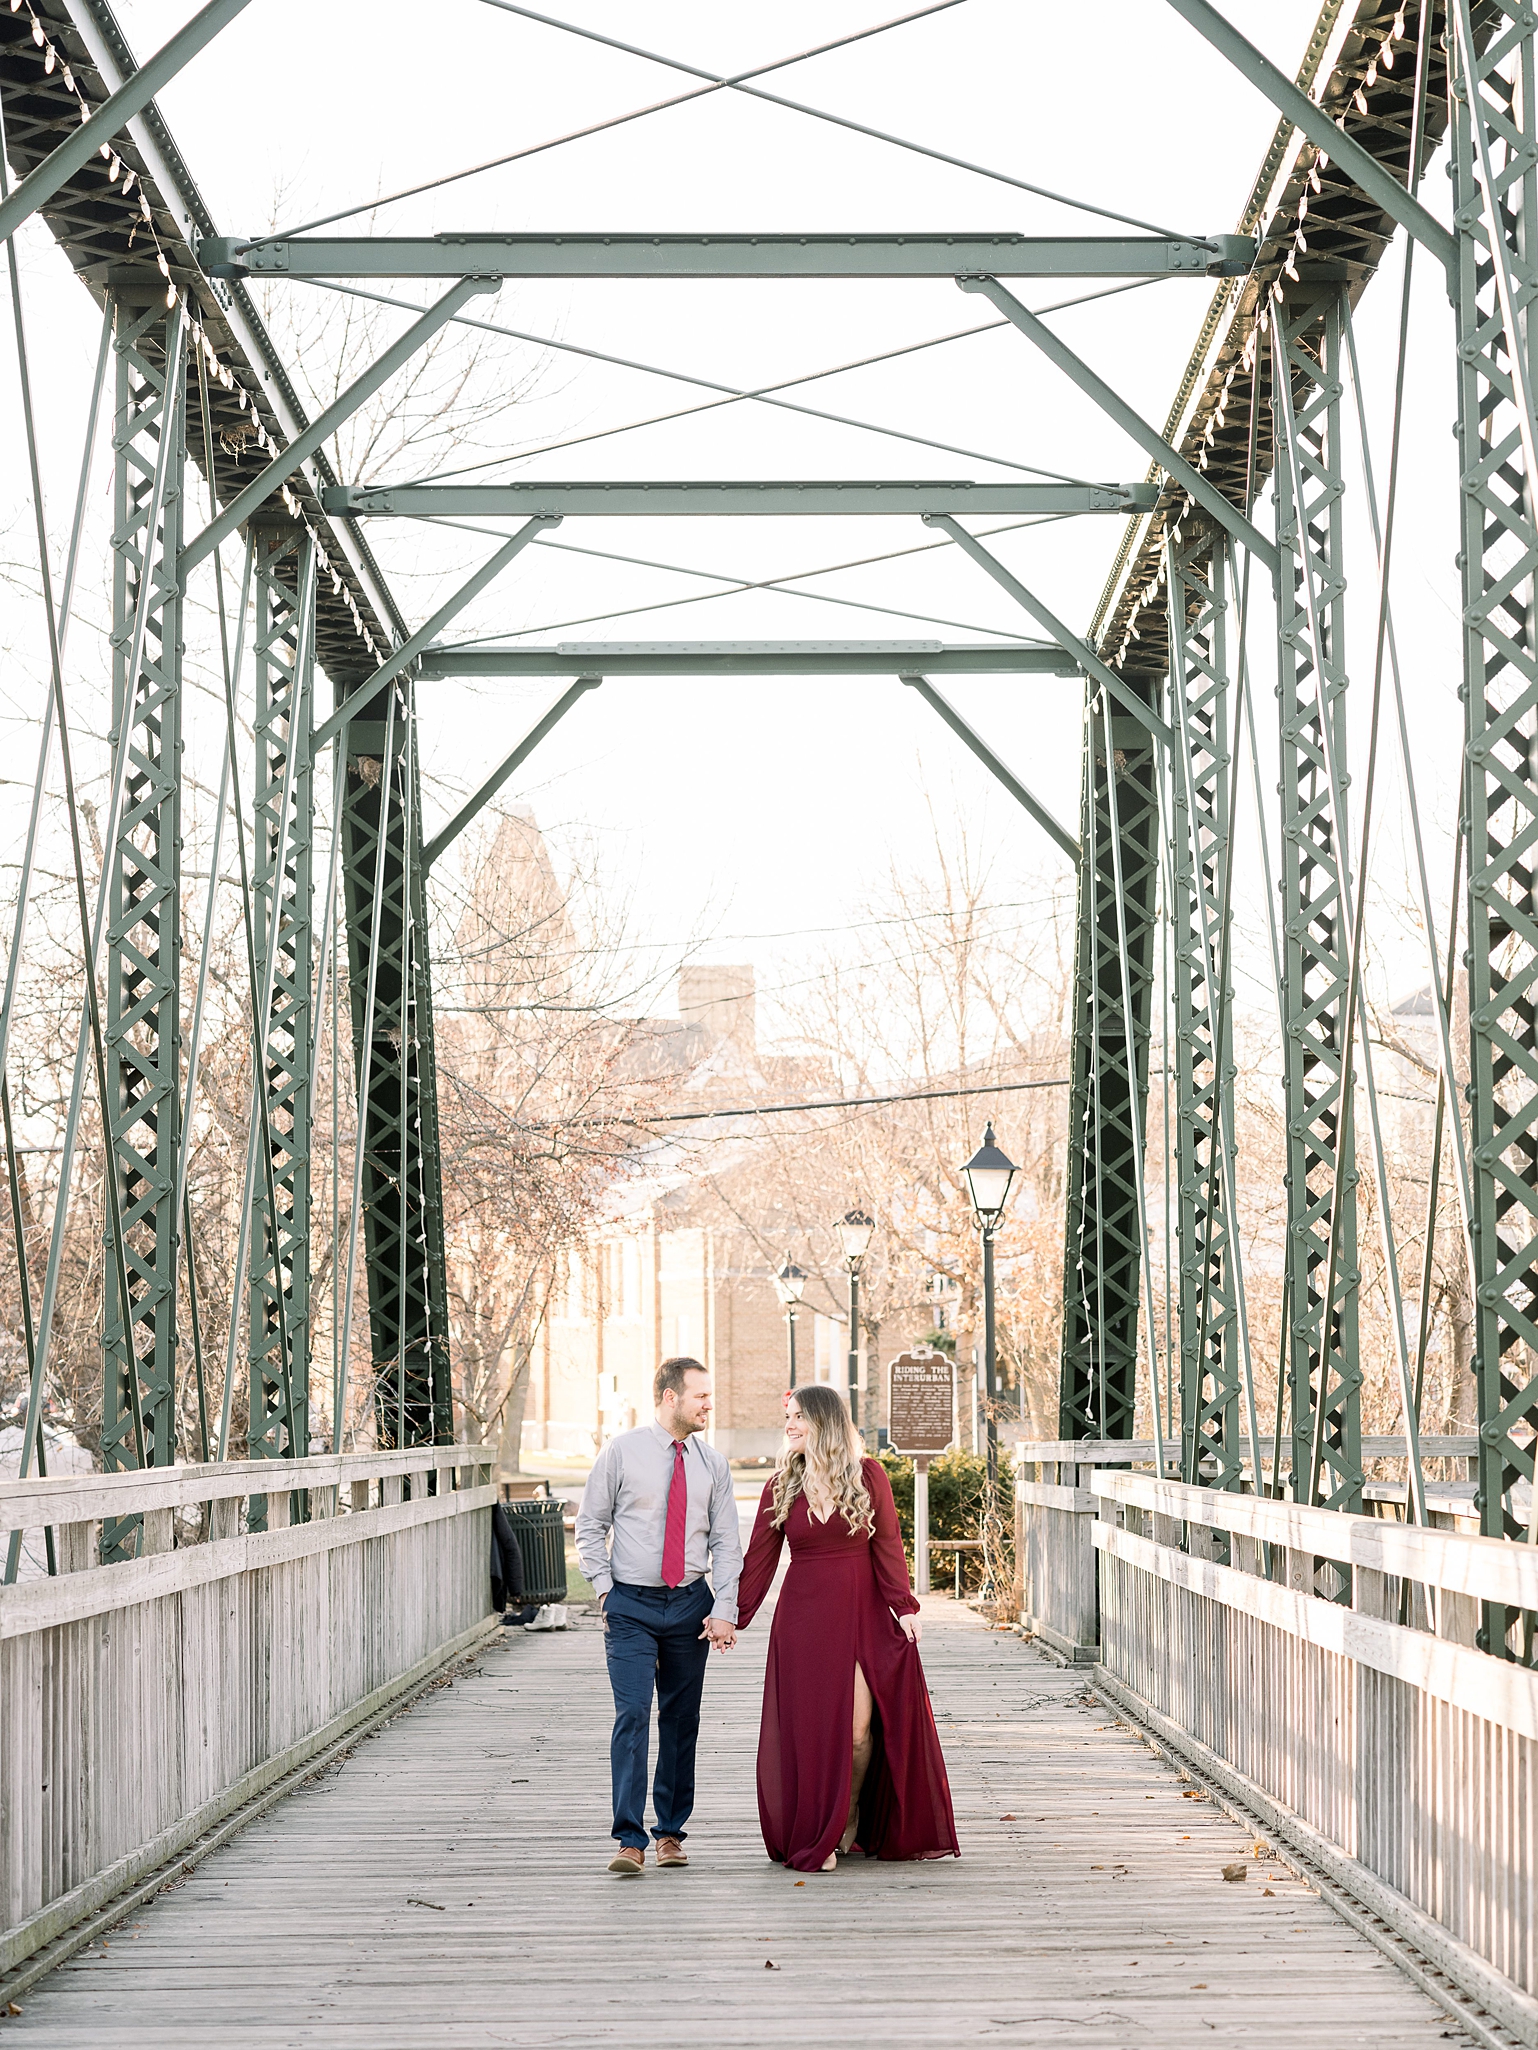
(722, 1635)
(911, 1628)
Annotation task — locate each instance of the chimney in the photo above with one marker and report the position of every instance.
(721, 999)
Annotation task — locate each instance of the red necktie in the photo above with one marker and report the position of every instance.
(678, 1516)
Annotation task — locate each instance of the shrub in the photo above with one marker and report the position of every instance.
(958, 1487)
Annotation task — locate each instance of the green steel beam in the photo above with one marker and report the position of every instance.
(990, 761)
(1211, 1451)
(924, 255)
(513, 762)
(319, 432)
(1125, 693)
(1104, 1251)
(530, 498)
(1153, 444)
(410, 648)
(1493, 103)
(142, 950)
(402, 1177)
(282, 888)
(1364, 169)
(114, 114)
(614, 659)
(1323, 1353)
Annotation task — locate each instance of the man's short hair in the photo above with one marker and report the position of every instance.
(671, 1375)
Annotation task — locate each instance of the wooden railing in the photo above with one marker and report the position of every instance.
(1055, 1512)
(142, 1704)
(1399, 1763)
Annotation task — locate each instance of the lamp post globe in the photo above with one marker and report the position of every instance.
(789, 1283)
(988, 1175)
(853, 1232)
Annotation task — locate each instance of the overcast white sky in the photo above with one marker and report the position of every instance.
(765, 808)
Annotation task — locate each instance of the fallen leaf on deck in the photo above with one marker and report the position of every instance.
(413, 1902)
(1006, 1818)
(1236, 1871)
(1268, 1893)
(770, 1965)
(800, 1882)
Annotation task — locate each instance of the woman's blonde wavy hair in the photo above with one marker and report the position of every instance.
(833, 1452)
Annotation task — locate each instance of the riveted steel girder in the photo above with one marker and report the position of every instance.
(282, 885)
(142, 952)
(1324, 1370)
(402, 1186)
(747, 658)
(1495, 142)
(1102, 1263)
(771, 499)
(1202, 1031)
(723, 256)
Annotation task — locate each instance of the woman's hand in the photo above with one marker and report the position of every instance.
(911, 1628)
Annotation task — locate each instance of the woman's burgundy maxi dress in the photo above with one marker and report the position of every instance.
(835, 1611)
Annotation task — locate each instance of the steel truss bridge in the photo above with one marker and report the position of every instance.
(1236, 530)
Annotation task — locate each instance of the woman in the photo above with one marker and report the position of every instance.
(848, 1754)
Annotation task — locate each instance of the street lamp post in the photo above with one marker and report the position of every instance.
(988, 1175)
(788, 1284)
(854, 1230)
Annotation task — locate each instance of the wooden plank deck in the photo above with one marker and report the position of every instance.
(1088, 1906)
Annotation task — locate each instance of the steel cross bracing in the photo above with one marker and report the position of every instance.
(1323, 1371)
(1201, 1024)
(402, 1196)
(1102, 1260)
(1304, 212)
(142, 944)
(1495, 200)
(282, 886)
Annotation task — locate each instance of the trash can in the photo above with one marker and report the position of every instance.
(541, 1532)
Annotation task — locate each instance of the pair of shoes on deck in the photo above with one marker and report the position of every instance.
(629, 1861)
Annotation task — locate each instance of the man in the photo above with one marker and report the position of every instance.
(662, 1498)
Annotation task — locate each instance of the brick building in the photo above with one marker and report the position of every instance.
(683, 1261)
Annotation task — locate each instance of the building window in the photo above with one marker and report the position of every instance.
(829, 1349)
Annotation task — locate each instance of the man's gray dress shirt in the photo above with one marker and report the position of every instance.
(625, 1503)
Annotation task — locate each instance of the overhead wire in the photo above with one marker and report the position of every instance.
(611, 121)
(840, 121)
(733, 395)
(738, 585)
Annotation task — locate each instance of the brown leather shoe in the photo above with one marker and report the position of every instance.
(628, 1861)
(670, 1851)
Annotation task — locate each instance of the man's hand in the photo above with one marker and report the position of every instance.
(722, 1635)
(603, 1621)
(911, 1628)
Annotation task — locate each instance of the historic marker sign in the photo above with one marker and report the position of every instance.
(921, 1401)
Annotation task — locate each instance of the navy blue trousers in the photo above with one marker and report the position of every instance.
(654, 1645)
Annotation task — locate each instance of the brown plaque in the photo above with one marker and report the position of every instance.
(921, 1401)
